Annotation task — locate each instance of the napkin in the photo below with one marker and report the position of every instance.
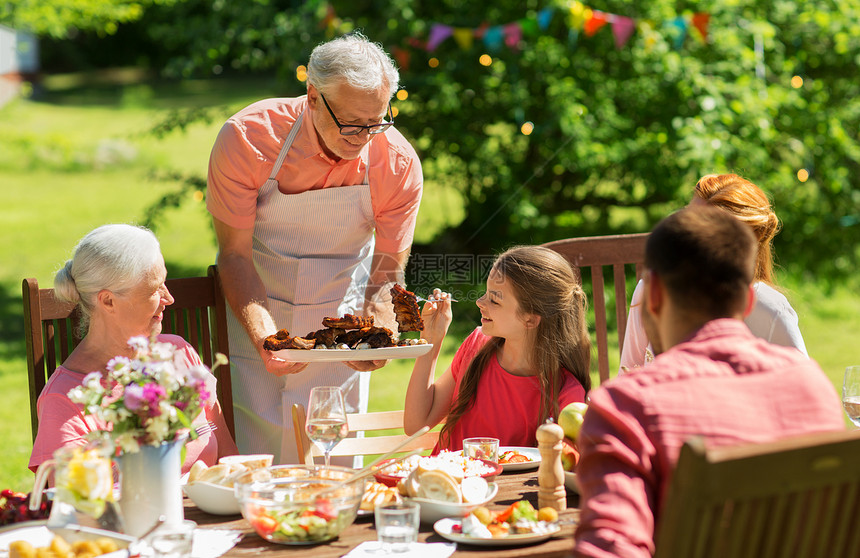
(211, 543)
(373, 549)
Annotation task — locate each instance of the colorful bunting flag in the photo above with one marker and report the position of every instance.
(493, 37)
(678, 28)
(438, 33)
(622, 28)
(464, 37)
(700, 22)
(544, 18)
(593, 24)
(513, 34)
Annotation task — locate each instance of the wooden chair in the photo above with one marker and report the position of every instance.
(595, 252)
(798, 497)
(199, 315)
(358, 422)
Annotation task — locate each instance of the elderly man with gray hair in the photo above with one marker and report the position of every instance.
(314, 201)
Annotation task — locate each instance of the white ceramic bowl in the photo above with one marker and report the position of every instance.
(213, 498)
(570, 481)
(434, 510)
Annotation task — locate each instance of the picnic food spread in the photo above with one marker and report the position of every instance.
(513, 456)
(517, 519)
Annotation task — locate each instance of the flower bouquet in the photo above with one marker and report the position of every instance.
(147, 399)
(146, 404)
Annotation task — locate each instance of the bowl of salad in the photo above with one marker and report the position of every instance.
(299, 504)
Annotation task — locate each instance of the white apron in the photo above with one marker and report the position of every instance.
(313, 252)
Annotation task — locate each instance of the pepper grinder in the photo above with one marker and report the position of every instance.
(550, 472)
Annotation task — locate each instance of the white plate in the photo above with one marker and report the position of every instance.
(531, 453)
(433, 510)
(344, 355)
(445, 529)
(570, 481)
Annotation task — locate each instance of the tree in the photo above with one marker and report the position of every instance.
(563, 134)
(64, 18)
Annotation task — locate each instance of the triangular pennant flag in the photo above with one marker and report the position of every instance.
(544, 18)
(402, 56)
(493, 37)
(479, 32)
(700, 22)
(622, 28)
(578, 15)
(529, 26)
(513, 34)
(438, 34)
(593, 24)
(464, 37)
(679, 31)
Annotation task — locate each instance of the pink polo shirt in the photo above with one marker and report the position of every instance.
(63, 423)
(723, 384)
(247, 147)
(506, 406)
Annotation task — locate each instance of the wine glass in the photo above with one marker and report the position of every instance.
(851, 394)
(326, 421)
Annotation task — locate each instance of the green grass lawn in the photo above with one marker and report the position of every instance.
(78, 158)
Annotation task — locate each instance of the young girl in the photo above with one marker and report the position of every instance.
(529, 358)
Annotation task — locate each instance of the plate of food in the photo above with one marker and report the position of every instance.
(344, 355)
(451, 462)
(517, 458)
(519, 524)
(35, 537)
(350, 337)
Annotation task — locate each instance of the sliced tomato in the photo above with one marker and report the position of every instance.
(324, 509)
(265, 525)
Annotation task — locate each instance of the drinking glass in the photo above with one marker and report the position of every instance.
(326, 421)
(397, 525)
(851, 394)
(481, 448)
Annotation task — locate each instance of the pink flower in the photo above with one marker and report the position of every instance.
(153, 394)
(133, 397)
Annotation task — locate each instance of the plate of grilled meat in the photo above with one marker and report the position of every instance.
(350, 337)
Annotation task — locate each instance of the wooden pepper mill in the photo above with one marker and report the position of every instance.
(550, 472)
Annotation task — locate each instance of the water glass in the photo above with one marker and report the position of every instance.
(481, 448)
(173, 540)
(397, 525)
(851, 394)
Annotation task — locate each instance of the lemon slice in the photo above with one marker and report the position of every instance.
(474, 490)
(438, 485)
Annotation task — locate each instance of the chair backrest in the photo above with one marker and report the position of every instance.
(798, 497)
(595, 252)
(368, 445)
(198, 314)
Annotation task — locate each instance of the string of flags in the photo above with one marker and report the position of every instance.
(579, 18)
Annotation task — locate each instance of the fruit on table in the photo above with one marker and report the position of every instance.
(569, 454)
(570, 419)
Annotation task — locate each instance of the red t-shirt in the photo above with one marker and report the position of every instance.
(506, 406)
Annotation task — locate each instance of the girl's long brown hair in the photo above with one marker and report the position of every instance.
(545, 284)
(749, 203)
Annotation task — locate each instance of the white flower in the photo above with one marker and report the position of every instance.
(78, 395)
(140, 344)
(128, 442)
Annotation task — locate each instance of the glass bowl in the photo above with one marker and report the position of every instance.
(299, 504)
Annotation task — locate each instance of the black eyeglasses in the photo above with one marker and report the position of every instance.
(355, 129)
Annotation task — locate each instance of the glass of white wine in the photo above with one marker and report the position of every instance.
(851, 394)
(326, 420)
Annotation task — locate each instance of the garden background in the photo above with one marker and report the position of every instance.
(534, 121)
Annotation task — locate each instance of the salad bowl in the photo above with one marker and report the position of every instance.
(299, 504)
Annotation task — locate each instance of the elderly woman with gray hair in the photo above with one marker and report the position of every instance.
(116, 277)
(314, 201)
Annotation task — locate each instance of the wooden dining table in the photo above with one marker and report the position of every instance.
(513, 487)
